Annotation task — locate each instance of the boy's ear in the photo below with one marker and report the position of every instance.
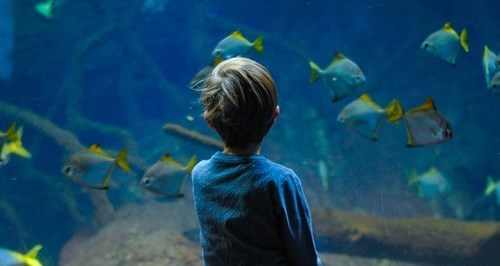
(210, 125)
(276, 113)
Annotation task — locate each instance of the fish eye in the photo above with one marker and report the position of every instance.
(67, 170)
(146, 181)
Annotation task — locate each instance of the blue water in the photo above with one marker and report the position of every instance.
(135, 78)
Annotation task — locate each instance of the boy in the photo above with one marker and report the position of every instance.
(251, 210)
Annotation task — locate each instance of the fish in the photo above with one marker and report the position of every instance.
(492, 186)
(82, 162)
(236, 45)
(495, 83)
(10, 143)
(166, 177)
(323, 175)
(425, 126)
(342, 76)
(445, 43)
(490, 65)
(430, 183)
(45, 9)
(13, 258)
(365, 117)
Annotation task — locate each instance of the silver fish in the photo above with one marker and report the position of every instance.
(82, 162)
(364, 116)
(166, 177)
(489, 65)
(343, 76)
(445, 43)
(236, 45)
(495, 84)
(426, 126)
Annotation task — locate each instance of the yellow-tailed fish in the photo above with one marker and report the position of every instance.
(81, 163)
(166, 177)
(430, 183)
(365, 117)
(323, 174)
(236, 45)
(45, 8)
(14, 258)
(343, 76)
(445, 43)
(489, 64)
(425, 126)
(495, 84)
(492, 186)
(10, 143)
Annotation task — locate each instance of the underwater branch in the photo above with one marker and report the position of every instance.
(193, 135)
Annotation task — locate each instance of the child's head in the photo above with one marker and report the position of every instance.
(240, 101)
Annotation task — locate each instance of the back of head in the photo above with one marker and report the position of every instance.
(240, 100)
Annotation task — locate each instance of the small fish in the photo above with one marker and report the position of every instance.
(14, 258)
(365, 117)
(82, 162)
(495, 84)
(236, 45)
(166, 177)
(445, 43)
(45, 8)
(343, 76)
(430, 183)
(425, 126)
(489, 64)
(323, 174)
(492, 186)
(10, 143)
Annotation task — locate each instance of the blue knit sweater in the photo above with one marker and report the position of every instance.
(252, 211)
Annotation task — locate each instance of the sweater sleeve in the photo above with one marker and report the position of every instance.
(296, 223)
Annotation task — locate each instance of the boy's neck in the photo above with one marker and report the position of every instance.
(249, 149)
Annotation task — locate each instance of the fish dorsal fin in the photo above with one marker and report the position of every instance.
(96, 148)
(11, 132)
(365, 97)
(167, 158)
(427, 105)
(448, 28)
(433, 169)
(337, 57)
(237, 34)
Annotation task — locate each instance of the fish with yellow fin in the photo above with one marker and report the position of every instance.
(342, 76)
(236, 45)
(45, 8)
(166, 177)
(425, 126)
(430, 183)
(445, 43)
(10, 143)
(489, 64)
(13, 258)
(365, 117)
(492, 186)
(94, 158)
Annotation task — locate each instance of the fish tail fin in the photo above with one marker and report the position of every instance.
(394, 111)
(30, 256)
(490, 186)
(257, 45)
(190, 165)
(464, 39)
(315, 72)
(122, 161)
(15, 148)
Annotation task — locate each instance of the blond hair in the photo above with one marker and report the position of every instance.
(240, 99)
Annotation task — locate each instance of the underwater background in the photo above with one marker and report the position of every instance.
(114, 72)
